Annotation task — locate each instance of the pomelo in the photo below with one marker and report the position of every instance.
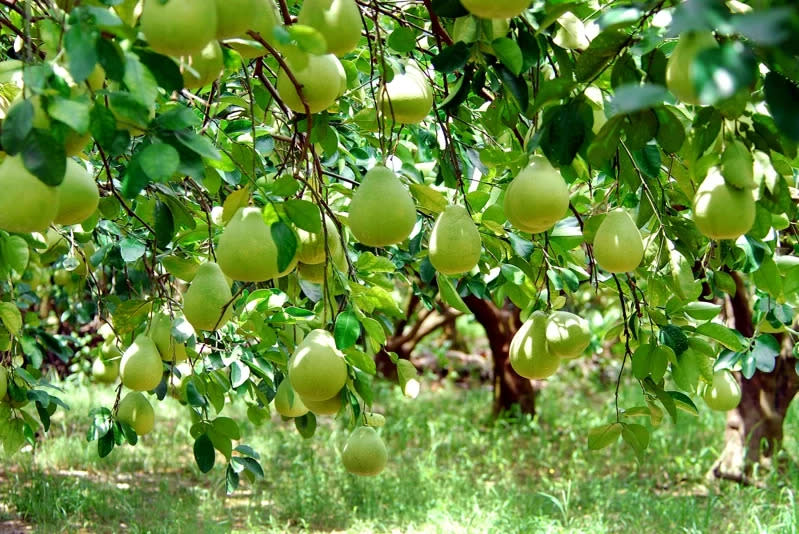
(233, 17)
(330, 406)
(312, 249)
(105, 371)
(339, 22)
(537, 198)
(204, 302)
(364, 453)
(529, 355)
(179, 27)
(320, 78)
(567, 334)
(455, 243)
(317, 369)
(407, 98)
(246, 250)
(288, 402)
(26, 204)
(141, 366)
(680, 69)
(721, 211)
(382, 211)
(618, 246)
(78, 196)
(203, 67)
(264, 21)
(496, 9)
(724, 393)
(136, 411)
(161, 333)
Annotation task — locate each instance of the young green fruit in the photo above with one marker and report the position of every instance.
(161, 334)
(136, 411)
(537, 198)
(312, 249)
(204, 304)
(321, 78)
(567, 334)
(26, 203)
(202, 68)
(339, 22)
(330, 406)
(179, 27)
(288, 402)
(496, 9)
(529, 355)
(106, 372)
(263, 23)
(246, 249)
(618, 247)
(365, 453)
(721, 211)
(141, 366)
(455, 243)
(382, 211)
(725, 392)
(680, 69)
(233, 17)
(78, 196)
(317, 369)
(407, 98)
(737, 166)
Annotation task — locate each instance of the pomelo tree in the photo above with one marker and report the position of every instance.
(581, 176)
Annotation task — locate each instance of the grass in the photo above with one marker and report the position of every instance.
(452, 469)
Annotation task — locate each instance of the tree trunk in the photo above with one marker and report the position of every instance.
(500, 325)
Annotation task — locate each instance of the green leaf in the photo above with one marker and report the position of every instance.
(286, 242)
(198, 144)
(636, 436)
(159, 161)
(428, 198)
(306, 425)
(308, 39)
(449, 8)
(451, 58)
(606, 142)
(16, 126)
(204, 453)
(632, 97)
(361, 360)
(164, 69)
(305, 215)
(702, 311)
(11, 317)
(73, 113)
(450, 295)
(80, 42)
(45, 157)
(603, 48)
(671, 133)
(407, 375)
(782, 97)
(15, 252)
(604, 436)
(564, 132)
(509, 53)
(765, 352)
(105, 444)
(231, 480)
(402, 39)
(164, 225)
(131, 249)
(684, 402)
(731, 339)
(347, 330)
(720, 72)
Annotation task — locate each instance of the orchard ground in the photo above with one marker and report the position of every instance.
(451, 469)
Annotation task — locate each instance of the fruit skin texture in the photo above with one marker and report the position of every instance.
(288, 402)
(567, 334)
(246, 249)
(316, 272)
(725, 392)
(737, 166)
(321, 80)
(26, 203)
(455, 243)
(206, 297)
(179, 27)
(263, 22)
(339, 21)
(161, 334)
(679, 69)
(312, 246)
(136, 411)
(382, 211)
(207, 63)
(529, 355)
(78, 196)
(407, 98)
(104, 371)
(721, 211)
(141, 366)
(364, 453)
(3, 381)
(537, 198)
(618, 247)
(326, 407)
(494, 9)
(317, 369)
(233, 17)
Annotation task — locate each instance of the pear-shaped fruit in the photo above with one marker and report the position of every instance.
(141, 366)
(725, 392)
(3, 381)
(496, 9)
(721, 211)
(312, 246)
(317, 369)
(202, 68)
(316, 273)
(364, 453)
(680, 67)
(233, 17)
(737, 166)
(321, 79)
(78, 196)
(529, 354)
(179, 27)
(382, 211)
(26, 203)
(246, 249)
(330, 406)
(263, 23)
(339, 22)
(205, 301)
(455, 243)
(161, 334)
(618, 247)
(105, 371)
(407, 98)
(537, 198)
(288, 402)
(136, 411)
(567, 334)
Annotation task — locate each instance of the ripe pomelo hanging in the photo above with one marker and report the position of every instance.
(317, 369)
(725, 392)
(339, 22)
(567, 334)
(263, 23)
(321, 78)
(529, 355)
(496, 9)
(178, 27)
(618, 247)
(26, 204)
(233, 17)
(330, 406)
(246, 249)
(455, 243)
(316, 272)
(382, 211)
(737, 165)
(680, 67)
(136, 411)
(407, 98)
(721, 211)
(365, 453)
(141, 366)
(537, 198)
(203, 67)
(288, 402)
(312, 246)
(78, 196)
(161, 333)
(106, 372)
(204, 302)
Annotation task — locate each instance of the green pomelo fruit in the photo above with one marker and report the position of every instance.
(202, 68)
(330, 406)
(317, 369)
(618, 246)
(455, 243)
(3, 381)
(680, 67)
(567, 334)
(263, 23)
(721, 211)
(161, 333)
(312, 249)
(529, 354)
(233, 17)
(725, 392)
(375, 420)
(316, 273)
(179, 27)
(320, 78)
(105, 371)
(26, 203)
(136, 411)
(495, 9)
(537, 198)
(78, 196)
(288, 402)
(738, 166)
(364, 453)
(204, 302)
(339, 22)
(382, 211)
(407, 98)
(109, 351)
(141, 366)
(246, 249)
